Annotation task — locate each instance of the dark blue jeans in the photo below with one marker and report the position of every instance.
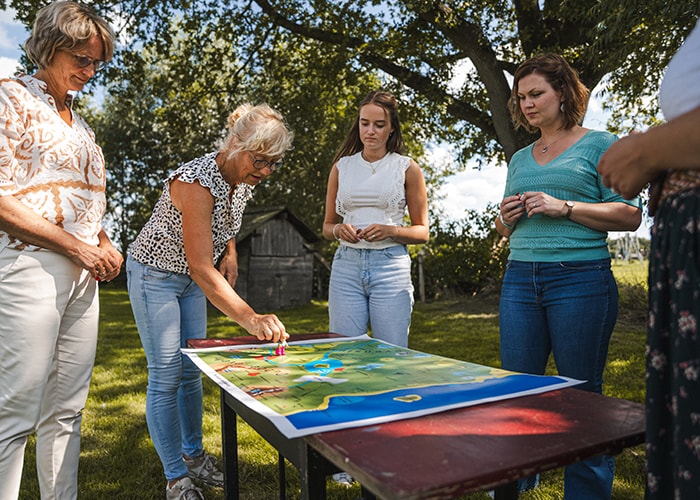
(567, 309)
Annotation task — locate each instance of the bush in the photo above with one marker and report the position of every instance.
(463, 257)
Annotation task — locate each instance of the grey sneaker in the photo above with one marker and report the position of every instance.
(204, 469)
(183, 489)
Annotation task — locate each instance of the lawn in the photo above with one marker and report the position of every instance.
(118, 460)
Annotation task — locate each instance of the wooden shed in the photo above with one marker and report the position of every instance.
(275, 259)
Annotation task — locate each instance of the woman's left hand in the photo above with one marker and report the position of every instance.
(111, 263)
(542, 203)
(377, 232)
(228, 264)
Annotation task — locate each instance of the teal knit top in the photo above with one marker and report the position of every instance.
(570, 176)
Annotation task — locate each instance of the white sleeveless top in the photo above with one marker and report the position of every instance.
(372, 193)
(680, 91)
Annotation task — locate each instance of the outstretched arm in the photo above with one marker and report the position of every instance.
(196, 204)
(633, 161)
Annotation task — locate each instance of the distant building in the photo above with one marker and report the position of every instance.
(276, 260)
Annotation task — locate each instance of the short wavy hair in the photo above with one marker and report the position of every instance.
(563, 78)
(258, 129)
(69, 26)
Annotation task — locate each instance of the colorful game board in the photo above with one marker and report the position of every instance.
(323, 385)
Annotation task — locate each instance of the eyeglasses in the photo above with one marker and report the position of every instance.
(85, 61)
(260, 163)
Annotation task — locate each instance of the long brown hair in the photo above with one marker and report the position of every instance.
(352, 143)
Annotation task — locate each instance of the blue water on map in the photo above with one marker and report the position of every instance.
(353, 408)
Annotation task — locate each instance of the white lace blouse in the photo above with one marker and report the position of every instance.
(54, 168)
(372, 193)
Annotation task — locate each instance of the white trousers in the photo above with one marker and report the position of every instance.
(49, 314)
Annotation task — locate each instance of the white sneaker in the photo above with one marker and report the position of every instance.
(343, 478)
(183, 489)
(205, 469)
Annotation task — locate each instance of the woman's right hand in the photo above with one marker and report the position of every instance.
(266, 327)
(346, 232)
(512, 209)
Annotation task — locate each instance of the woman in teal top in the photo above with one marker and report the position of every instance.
(559, 295)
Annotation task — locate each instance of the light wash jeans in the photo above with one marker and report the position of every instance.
(371, 286)
(169, 309)
(49, 313)
(568, 309)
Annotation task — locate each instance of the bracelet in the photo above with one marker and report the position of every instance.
(335, 235)
(505, 224)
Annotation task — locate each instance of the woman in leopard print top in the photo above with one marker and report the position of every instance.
(171, 274)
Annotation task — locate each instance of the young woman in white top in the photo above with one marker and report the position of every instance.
(369, 187)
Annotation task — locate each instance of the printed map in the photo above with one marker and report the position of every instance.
(322, 385)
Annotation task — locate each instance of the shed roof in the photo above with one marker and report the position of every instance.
(255, 217)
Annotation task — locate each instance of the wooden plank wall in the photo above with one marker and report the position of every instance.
(275, 270)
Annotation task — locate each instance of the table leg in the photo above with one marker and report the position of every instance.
(507, 492)
(366, 494)
(312, 475)
(229, 449)
(283, 482)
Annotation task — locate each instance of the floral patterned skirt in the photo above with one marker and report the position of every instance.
(673, 351)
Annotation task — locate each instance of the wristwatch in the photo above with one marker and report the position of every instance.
(569, 207)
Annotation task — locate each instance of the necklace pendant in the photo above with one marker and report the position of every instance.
(544, 149)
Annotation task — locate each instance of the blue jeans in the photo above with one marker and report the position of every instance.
(169, 309)
(568, 309)
(371, 286)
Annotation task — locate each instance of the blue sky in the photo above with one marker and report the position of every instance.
(12, 35)
(471, 189)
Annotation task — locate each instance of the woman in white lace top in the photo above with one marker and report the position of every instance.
(369, 188)
(52, 248)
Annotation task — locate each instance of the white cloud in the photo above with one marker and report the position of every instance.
(12, 32)
(472, 190)
(8, 66)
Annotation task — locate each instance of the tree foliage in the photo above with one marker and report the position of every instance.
(419, 43)
(451, 59)
(463, 257)
(183, 65)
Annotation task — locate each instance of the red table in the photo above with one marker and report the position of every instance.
(447, 454)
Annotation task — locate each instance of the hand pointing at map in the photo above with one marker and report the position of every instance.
(265, 327)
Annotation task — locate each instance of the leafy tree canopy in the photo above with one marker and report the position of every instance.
(452, 58)
(182, 65)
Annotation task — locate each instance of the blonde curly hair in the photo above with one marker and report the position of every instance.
(258, 129)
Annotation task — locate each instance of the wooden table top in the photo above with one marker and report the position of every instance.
(448, 454)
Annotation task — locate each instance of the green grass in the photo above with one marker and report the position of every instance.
(118, 460)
